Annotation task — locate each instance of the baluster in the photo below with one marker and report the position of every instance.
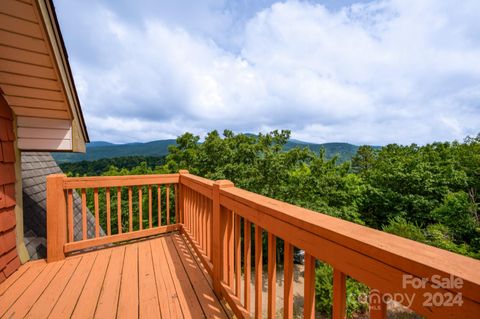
(119, 209)
(230, 249)
(189, 211)
(84, 214)
(288, 281)
(339, 294)
(175, 193)
(168, 204)
(140, 208)
(237, 256)
(208, 207)
(150, 206)
(97, 217)
(258, 271)
(159, 200)
(309, 287)
(195, 216)
(204, 224)
(70, 215)
(107, 198)
(247, 262)
(130, 209)
(272, 275)
(199, 216)
(186, 208)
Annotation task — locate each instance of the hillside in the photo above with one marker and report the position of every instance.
(345, 151)
(99, 150)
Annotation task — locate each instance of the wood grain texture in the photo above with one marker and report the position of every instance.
(258, 271)
(57, 217)
(272, 275)
(309, 287)
(339, 295)
(108, 208)
(288, 281)
(247, 262)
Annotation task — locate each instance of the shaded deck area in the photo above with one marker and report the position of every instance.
(159, 277)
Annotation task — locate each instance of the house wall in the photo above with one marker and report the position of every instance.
(9, 261)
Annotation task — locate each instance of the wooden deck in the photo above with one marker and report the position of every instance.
(154, 278)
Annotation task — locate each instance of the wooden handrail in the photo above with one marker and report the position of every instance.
(214, 216)
(60, 210)
(408, 255)
(118, 181)
(378, 259)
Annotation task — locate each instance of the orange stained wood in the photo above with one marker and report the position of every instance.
(168, 203)
(158, 277)
(230, 250)
(140, 208)
(309, 287)
(70, 215)
(119, 210)
(150, 206)
(159, 203)
(84, 214)
(247, 261)
(97, 217)
(339, 295)
(272, 275)
(211, 214)
(258, 271)
(130, 209)
(107, 198)
(288, 281)
(177, 203)
(238, 261)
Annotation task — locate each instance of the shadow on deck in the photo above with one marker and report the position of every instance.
(152, 278)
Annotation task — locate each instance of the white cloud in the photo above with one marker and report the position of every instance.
(385, 71)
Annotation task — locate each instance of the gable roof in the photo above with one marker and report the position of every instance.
(36, 79)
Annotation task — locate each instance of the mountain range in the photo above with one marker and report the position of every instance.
(100, 149)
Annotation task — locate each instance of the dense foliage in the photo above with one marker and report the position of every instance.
(98, 167)
(426, 193)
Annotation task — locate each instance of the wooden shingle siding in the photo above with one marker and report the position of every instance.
(35, 77)
(28, 72)
(9, 261)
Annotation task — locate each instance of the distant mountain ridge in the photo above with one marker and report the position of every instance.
(100, 149)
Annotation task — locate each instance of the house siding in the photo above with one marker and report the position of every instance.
(9, 261)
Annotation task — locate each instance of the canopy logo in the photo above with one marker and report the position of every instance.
(438, 291)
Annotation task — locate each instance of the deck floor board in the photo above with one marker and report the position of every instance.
(153, 278)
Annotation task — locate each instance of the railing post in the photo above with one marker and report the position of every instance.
(339, 294)
(219, 235)
(56, 217)
(180, 199)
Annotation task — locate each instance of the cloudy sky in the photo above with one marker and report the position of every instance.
(373, 72)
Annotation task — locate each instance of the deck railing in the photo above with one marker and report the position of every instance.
(218, 219)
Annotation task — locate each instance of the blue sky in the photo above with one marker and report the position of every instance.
(376, 72)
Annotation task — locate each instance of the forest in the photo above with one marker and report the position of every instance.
(428, 193)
